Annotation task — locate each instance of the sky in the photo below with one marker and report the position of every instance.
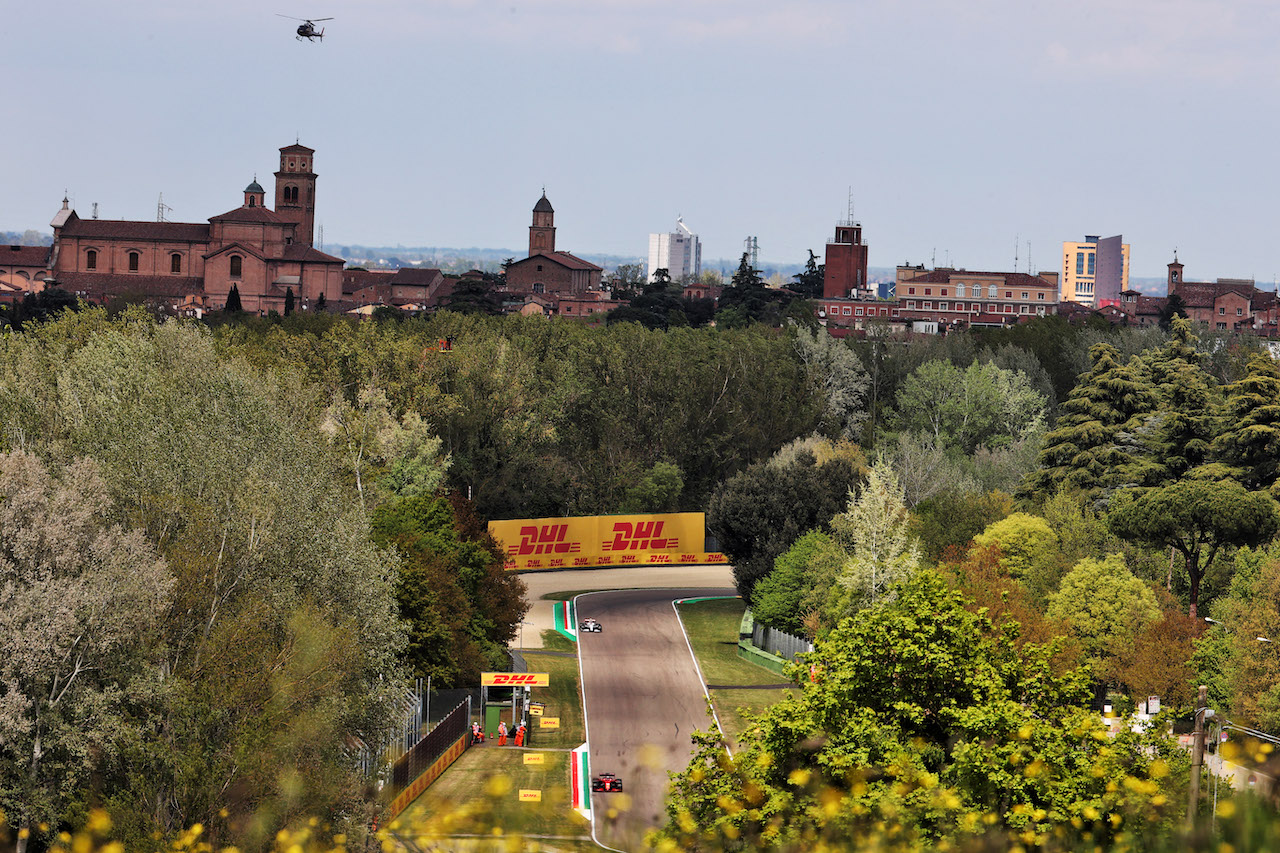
(967, 133)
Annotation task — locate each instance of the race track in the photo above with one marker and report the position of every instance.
(643, 697)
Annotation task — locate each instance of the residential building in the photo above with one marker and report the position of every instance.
(679, 253)
(1095, 272)
(955, 298)
(23, 270)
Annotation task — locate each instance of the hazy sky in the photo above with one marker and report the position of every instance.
(963, 128)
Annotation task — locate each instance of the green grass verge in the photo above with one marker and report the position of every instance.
(482, 791)
(562, 698)
(712, 627)
(554, 641)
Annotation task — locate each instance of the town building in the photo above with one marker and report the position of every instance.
(547, 271)
(1226, 304)
(957, 298)
(679, 253)
(23, 270)
(264, 253)
(1095, 272)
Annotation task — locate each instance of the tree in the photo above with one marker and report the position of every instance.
(793, 596)
(923, 723)
(1025, 541)
(320, 302)
(837, 377)
(288, 301)
(657, 491)
(81, 600)
(1174, 308)
(809, 283)
(474, 294)
(874, 531)
(1249, 444)
(756, 514)
(1106, 608)
(950, 520)
(461, 606)
(982, 405)
(233, 300)
(1196, 518)
(1081, 453)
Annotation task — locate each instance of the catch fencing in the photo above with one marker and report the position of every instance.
(777, 642)
(425, 753)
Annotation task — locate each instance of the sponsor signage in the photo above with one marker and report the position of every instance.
(536, 709)
(515, 679)
(671, 538)
(527, 796)
(534, 758)
(548, 722)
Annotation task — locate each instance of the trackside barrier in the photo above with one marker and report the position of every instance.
(751, 638)
(580, 781)
(429, 757)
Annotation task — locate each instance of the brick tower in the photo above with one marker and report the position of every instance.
(542, 233)
(296, 190)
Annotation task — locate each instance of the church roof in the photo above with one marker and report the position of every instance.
(254, 187)
(564, 259)
(299, 252)
(249, 214)
(416, 276)
(543, 205)
(296, 148)
(122, 229)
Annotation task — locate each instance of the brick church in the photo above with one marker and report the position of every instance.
(265, 252)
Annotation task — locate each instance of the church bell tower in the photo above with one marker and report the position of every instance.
(296, 191)
(542, 233)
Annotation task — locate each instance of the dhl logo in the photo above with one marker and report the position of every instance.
(547, 539)
(515, 679)
(640, 536)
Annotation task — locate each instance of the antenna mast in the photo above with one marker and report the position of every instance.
(162, 208)
(752, 247)
(1016, 239)
(95, 210)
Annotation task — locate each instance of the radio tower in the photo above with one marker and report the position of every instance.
(162, 208)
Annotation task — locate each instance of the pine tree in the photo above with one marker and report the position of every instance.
(233, 301)
(1176, 438)
(1250, 442)
(288, 301)
(1081, 453)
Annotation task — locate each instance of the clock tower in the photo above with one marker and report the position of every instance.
(296, 191)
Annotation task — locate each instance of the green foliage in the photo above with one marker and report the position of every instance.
(1026, 544)
(1080, 453)
(792, 597)
(757, 514)
(926, 725)
(222, 468)
(1105, 606)
(1196, 518)
(461, 607)
(810, 282)
(950, 520)
(873, 530)
(981, 405)
(837, 379)
(658, 490)
(1249, 443)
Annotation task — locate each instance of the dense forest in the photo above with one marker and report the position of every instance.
(227, 546)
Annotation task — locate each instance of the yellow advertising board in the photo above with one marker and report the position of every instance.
(534, 758)
(515, 679)
(672, 538)
(527, 796)
(535, 709)
(548, 722)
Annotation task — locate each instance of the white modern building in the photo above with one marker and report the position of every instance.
(679, 253)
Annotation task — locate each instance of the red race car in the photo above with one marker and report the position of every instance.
(606, 782)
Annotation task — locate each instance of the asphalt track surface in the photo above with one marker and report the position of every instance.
(540, 583)
(643, 697)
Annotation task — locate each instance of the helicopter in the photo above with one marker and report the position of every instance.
(307, 29)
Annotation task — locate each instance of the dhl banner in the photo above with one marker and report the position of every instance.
(674, 538)
(515, 679)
